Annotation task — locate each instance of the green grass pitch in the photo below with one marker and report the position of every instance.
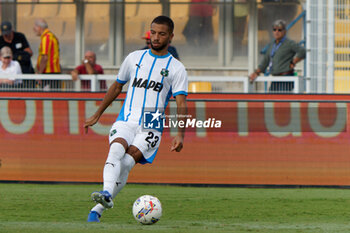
(63, 208)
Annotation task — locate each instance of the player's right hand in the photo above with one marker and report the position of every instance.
(177, 144)
(90, 122)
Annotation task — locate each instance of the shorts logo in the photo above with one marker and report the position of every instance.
(114, 131)
(164, 72)
(153, 120)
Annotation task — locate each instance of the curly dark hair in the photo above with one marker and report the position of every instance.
(162, 19)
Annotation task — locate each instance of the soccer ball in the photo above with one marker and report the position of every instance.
(147, 209)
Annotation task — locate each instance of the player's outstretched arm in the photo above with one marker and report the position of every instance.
(110, 96)
(177, 143)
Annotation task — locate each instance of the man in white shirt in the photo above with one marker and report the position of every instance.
(154, 75)
(8, 67)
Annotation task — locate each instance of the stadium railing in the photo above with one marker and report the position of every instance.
(223, 84)
(262, 83)
(64, 83)
(56, 82)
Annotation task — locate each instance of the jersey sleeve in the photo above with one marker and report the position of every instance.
(124, 71)
(180, 82)
(45, 44)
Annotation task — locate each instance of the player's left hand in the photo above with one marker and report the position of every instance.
(90, 122)
(177, 144)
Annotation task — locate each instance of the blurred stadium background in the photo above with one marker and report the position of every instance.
(241, 30)
(302, 141)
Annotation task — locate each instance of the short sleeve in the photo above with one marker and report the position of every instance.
(124, 71)
(18, 68)
(180, 82)
(99, 69)
(80, 69)
(24, 41)
(45, 44)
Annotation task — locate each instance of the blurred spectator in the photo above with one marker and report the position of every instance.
(49, 54)
(19, 45)
(199, 27)
(171, 49)
(88, 66)
(7, 67)
(281, 58)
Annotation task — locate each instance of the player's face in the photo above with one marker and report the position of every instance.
(160, 37)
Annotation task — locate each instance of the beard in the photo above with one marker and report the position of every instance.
(161, 47)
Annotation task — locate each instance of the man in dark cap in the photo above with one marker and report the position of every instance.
(19, 45)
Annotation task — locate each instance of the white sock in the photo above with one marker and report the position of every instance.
(127, 163)
(111, 171)
(98, 208)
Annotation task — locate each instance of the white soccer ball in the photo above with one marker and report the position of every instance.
(147, 209)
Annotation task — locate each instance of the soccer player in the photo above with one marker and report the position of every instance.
(154, 76)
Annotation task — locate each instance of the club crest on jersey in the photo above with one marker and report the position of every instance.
(164, 72)
(114, 131)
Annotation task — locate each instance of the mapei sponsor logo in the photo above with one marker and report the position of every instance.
(143, 83)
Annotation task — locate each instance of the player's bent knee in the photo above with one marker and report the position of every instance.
(121, 141)
(135, 153)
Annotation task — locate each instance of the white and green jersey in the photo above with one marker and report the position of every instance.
(152, 81)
